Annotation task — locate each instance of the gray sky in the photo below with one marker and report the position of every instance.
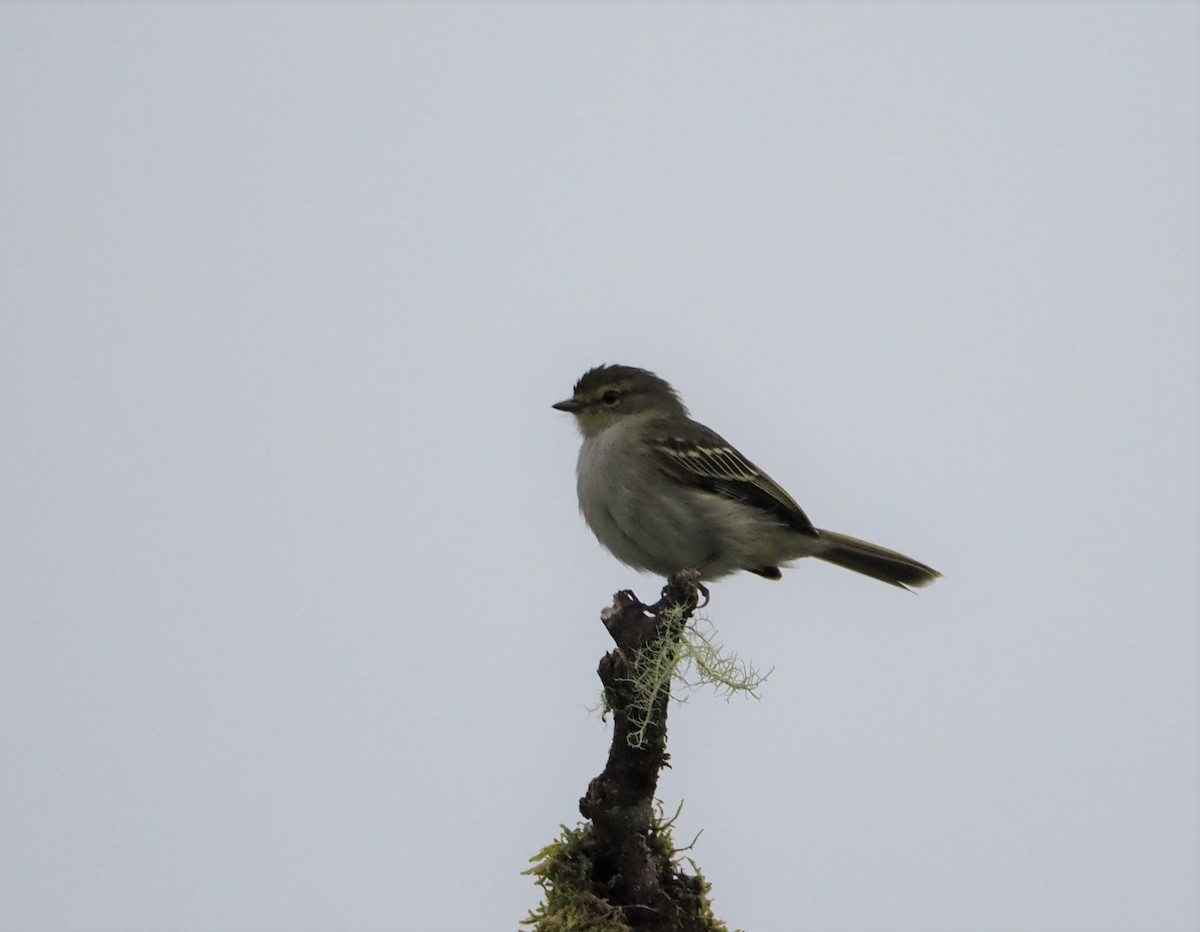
(301, 622)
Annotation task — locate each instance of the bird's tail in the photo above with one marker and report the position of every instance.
(877, 562)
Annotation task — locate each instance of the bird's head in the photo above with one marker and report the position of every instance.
(606, 394)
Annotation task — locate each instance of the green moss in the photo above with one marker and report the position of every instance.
(563, 870)
(575, 899)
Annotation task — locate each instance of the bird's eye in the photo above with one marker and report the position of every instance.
(610, 397)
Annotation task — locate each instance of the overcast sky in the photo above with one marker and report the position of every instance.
(300, 619)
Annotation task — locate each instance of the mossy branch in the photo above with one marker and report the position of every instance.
(619, 870)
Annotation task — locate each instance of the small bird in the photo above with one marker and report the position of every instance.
(664, 493)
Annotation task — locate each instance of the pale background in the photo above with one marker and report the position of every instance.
(299, 619)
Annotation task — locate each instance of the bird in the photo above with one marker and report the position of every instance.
(663, 493)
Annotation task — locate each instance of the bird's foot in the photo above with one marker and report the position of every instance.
(685, 582)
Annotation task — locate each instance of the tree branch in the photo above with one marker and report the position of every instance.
(619, 871)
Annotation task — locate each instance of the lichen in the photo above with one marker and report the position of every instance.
(693, 660)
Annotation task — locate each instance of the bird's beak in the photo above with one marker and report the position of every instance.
(570, 405)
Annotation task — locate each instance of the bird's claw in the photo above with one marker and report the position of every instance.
(694, 581)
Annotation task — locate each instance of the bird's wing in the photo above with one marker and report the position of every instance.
(702, 458)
